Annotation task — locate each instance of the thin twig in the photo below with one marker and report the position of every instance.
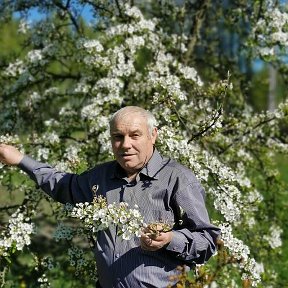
(246, 133)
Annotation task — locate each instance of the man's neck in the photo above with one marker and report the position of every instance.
(132, 177)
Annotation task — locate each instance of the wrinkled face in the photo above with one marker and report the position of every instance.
(131, 142)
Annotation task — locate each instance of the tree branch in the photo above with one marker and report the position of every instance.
(9, 207)
(195, 30)
(66, 9)
(205, 129)
(119, 8)
(98, 7)
(237, 139)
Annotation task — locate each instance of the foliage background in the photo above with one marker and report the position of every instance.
(56, 97)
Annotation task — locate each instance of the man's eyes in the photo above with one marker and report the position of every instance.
(119, 137)
(135, 135)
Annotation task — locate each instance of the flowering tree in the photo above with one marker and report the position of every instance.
(57, 99)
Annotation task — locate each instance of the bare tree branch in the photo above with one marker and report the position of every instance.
(67, 10)
(195, 30)
(119, 8)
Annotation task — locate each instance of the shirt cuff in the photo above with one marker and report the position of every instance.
(28, 164)
(178, 242)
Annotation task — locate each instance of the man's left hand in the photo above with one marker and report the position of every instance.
(153, 243)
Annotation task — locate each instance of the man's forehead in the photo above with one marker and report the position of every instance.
(130, 119)
(128, 126)
(130, 115)
(137, 123)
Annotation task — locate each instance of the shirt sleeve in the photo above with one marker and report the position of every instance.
(194, 240)
(63, 187)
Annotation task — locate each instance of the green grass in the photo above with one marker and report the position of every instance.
(282, 161)
(282, 265)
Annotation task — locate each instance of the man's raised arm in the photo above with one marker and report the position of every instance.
(61, 186)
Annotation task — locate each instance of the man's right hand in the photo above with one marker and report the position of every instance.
(9, 155)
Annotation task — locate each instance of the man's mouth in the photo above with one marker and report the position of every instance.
(126, 155)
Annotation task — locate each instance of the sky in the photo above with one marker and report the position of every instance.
(35, 15)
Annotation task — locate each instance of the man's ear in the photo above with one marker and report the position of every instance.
(154, 135)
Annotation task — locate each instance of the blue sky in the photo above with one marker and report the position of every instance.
(35, 15)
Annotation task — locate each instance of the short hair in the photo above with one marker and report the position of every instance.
(151, 120)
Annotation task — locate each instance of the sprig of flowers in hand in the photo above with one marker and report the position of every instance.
(153, 230)
(98, 216)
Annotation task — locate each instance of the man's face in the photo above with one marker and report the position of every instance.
(131, 142)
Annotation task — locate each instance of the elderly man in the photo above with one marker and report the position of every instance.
(164, 190)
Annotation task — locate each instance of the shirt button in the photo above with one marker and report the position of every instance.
(117, 255)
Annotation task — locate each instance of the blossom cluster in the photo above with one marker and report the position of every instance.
(241, 252)
(274, 238)
(99, 215)
(271, 31)
(228, 199)
(43, 281)
(9, 139)
(17, 235)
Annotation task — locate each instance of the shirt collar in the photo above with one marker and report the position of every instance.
(153, 166)
(150, 170)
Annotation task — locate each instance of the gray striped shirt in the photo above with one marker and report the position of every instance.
(160, 189)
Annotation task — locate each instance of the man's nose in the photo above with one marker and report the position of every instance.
(126, 142)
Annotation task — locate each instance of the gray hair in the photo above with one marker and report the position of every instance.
(151, 120)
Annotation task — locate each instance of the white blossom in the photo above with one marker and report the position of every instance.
(99, 216)
(271, 32)
(43, 281)
(51, 138)
(15, 69)
(24, 26)
(191, 74)
(241, 252)
(274, 238)
(43, 154)
(35, 55)
(18, 233)
(96, 45)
